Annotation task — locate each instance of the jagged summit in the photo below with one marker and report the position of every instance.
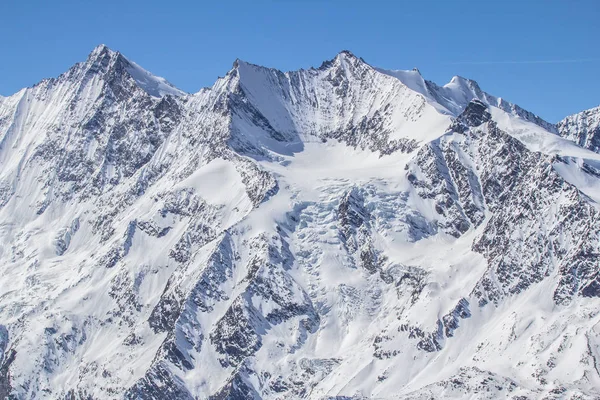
(105, 60)
(348, 55)
(450, 98)
(583, 128)
(342, 56)
(346, 73)
(459, 80)
(98, 50)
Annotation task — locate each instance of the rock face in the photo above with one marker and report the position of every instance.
(338, 232)
(582, 128)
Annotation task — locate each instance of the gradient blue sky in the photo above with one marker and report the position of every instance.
(540, 54)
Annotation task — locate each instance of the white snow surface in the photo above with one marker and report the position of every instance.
(154, 85)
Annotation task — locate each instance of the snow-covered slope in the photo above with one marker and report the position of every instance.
(337, 232)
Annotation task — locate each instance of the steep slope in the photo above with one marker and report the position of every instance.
(345, 99)
(338, 232)
(95, 169)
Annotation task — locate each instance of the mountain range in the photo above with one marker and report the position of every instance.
(340, 232)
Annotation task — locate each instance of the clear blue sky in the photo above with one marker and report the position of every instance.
(191, 43)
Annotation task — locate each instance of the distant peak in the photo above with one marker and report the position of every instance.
(243, 69)
(344, 56)
(346, 53)
(588, 112)
(459, 80)
(100, 51)
(101, 47)
(239, 63)
(591, 116)
(102, 60)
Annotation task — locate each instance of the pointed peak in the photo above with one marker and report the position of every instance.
(346, 53)
(462, 81)
(239, 63)
(457, 80)
(105, 60)
(101, 47)
(343, 57)
(239, 68)
(101, 51)
(349, 56)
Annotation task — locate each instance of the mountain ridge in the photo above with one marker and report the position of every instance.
(104, 48)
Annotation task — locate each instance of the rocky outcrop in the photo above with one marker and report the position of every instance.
(582, 128)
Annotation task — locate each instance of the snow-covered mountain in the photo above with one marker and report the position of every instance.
(332, 233)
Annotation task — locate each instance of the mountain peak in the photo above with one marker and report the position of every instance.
(346, 53)
(582, 128)
(239, 63)
(458, 80)
(594, 111)
(348, 56)
(102, 59)
(344, 57)
(98, 50)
